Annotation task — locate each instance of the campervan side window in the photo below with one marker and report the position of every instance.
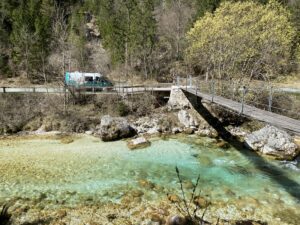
(88, 79)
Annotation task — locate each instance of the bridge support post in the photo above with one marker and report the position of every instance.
(65, 98)
(186, 82)
(196, 96)
(270, 99)
(212, 90)
(243, 99)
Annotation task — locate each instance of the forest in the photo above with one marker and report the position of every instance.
(150, 39)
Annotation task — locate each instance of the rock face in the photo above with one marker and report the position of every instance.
(137, 143)
(186, 119)
(114, 128)
(272, 141)
(178, 99)
(147, 125)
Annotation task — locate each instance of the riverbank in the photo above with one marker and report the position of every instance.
(114, 117)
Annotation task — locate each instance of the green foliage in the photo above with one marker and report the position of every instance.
(122, 109)
(4, 68)
(207, 6)
(147, 36)
(128, 28)
(242, 40)
(31, 34)
(298, 56)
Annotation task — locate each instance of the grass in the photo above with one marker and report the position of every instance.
(292, 81)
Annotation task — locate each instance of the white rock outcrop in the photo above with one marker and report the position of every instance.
(147, 125)
(272, 141)
(186, 119)
(178, 99)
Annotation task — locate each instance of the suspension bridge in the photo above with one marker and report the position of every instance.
(206, 91)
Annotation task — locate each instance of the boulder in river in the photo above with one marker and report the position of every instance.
(114, 128)
(140, 142)
(273, 141)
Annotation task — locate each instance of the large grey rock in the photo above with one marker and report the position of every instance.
(114, 128)
(186, 119)
(272, 141)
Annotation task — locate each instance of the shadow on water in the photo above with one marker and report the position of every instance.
(277, 175)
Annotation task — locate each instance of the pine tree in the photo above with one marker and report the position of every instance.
(144, 34)
(31, 36)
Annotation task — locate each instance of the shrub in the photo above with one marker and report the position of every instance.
(123, 109)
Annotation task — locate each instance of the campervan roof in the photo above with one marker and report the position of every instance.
(80, 74)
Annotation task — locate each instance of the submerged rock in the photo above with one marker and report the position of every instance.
(272, 141)
(140, 142)
(201, 202)
(177, 220)
(222, 144)
(114, 128)
(146, 184)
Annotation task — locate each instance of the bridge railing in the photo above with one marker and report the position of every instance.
(257, 94)
(124, 88)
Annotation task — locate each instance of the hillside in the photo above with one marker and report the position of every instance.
(134, 39)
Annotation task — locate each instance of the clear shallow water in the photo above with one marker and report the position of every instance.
(89, 170)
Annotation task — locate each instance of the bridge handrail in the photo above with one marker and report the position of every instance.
(258, 95)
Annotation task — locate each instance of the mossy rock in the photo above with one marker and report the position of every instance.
(66, 140)
(223, 144)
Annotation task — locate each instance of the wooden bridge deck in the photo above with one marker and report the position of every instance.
(286, 123)
(57, 90)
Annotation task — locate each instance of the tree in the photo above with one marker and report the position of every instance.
(31, 36)
(174, 18)
(142, 35)
(242, 41)
(204, 6)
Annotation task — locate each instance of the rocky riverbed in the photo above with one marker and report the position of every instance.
(87, 181)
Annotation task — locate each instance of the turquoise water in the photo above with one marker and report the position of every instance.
(88, 170)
